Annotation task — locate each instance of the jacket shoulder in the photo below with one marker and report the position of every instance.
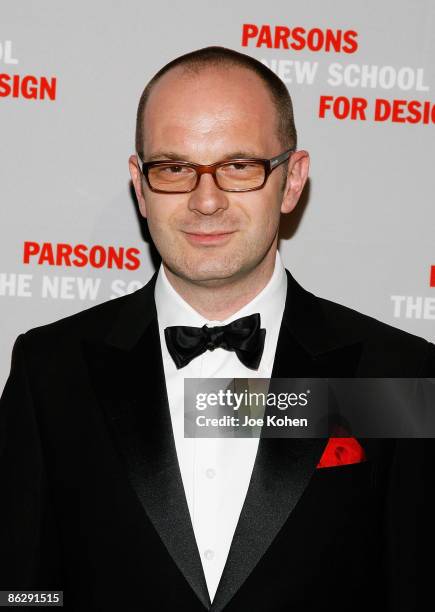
(91, 323)
(344, 319)
(386, 348)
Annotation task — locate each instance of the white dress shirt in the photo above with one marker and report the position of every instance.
(216, 471)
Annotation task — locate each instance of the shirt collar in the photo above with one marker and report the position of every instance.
(172, 309)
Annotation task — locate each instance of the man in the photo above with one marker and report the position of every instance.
(103, 497)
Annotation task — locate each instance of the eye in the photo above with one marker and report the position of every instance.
(172, 171)
(175, 169)
(238, 166)
(241, 168)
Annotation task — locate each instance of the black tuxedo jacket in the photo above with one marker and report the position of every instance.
(92, 500)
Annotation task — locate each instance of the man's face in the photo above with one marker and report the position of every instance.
(204, 118)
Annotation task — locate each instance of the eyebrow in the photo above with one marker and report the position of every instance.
(173, 155)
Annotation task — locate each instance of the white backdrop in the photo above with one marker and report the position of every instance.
(70, 80)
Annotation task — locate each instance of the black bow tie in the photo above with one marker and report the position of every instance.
(243, 336)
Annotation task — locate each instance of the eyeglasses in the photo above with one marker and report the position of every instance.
(249, 174)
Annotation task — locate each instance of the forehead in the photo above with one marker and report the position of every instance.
(210, 111)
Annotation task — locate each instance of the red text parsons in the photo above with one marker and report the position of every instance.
(81, 255)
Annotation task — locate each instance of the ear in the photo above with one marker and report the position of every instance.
(297, 174)
(136, 177)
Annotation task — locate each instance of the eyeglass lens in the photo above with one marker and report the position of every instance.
(172, 177)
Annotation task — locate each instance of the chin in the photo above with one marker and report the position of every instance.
(203, 270)
(208, 274)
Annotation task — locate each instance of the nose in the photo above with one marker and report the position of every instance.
(207, 197)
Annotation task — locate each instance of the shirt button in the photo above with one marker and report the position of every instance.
(209, 554)
(210, 473)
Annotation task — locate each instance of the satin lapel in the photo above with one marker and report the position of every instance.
(283, 467)
(128, 376)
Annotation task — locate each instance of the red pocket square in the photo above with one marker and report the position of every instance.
(341, 451)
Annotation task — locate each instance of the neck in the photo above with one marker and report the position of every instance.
(218, 302)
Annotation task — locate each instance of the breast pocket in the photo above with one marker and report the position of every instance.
(350, 475)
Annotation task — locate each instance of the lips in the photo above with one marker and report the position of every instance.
(208, 237)
(216, 233)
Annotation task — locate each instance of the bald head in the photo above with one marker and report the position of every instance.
(220, 60)
(210, 116)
